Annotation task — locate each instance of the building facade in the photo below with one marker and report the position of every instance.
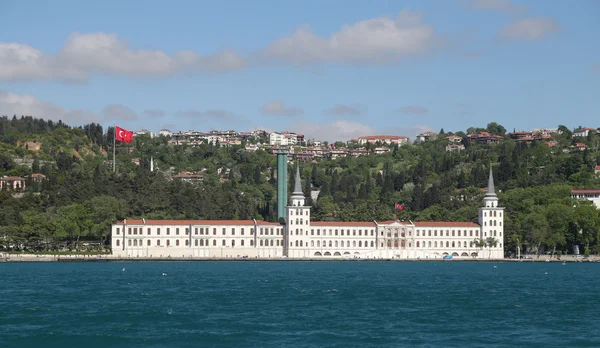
(302, 238)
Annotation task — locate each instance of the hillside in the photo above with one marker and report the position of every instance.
(81, 195)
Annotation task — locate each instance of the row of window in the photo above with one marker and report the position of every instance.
(493, 214)
(452, 244)
(298, 212)
(492, 223)
(298, 231)
(201, 231)
(318, 243)
(459, 233)
(199, 242)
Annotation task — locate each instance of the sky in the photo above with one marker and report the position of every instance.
(329, 69)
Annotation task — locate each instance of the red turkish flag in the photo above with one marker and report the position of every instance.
(399, 206)
(123, 135)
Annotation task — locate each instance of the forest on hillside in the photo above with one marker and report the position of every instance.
(82, 196)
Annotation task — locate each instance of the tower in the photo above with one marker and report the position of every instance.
(297, 221)
(282, 159)
(491, 221)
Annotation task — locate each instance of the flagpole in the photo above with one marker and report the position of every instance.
(114, 148)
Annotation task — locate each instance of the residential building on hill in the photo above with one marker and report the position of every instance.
(301, 237)
(384, 139)
(589, 195)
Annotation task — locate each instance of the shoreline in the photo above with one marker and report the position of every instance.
(109, 258)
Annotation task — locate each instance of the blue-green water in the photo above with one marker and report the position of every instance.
(299, 304)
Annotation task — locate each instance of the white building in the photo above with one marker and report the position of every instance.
(590, 195)
(302, 238)
(165, 133)
(384, 139)
(282, 139)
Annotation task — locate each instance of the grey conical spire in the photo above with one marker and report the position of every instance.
(298, 183)
(491, 190)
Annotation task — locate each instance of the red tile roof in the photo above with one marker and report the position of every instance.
(342, 223)
(198, 222)
(584, 191)
(444, 224)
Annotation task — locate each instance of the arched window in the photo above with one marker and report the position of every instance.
(261, 242)
(223, 242)
(452, 244)
(495, 222)
(435, 244)
(447, 244)
(336, 243)
(430, 244)
(177, 242)
(296, 243)
(360, 243)
(296, 221)
(242, 243)
(135, 242)
(196, 242)
(312, 243)
(118, 242)
(168, 242)
(148, 242)
(372, 244)
(301, 221)
(158, 242)
(251, 242)
(494, 213)
(214, 242)
(354, 244)
(484, 214)
(232, 243)
(318, 243)
(417, 244)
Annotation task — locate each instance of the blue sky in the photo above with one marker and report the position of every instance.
(328, 69)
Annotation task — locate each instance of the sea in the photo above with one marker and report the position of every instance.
(299, 304)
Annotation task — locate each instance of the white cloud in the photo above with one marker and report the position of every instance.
(498, 5)
(86, 54)
(376, 40)
(154, 113)
(529, 29)
(27, 105)
(278, 108)
(334, 131)
(346, 110)
(419, 110)
(118, 112)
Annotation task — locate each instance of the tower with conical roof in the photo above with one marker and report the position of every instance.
(491, 221)
(297, 229)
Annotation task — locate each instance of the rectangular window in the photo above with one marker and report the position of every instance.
(252, 231)
(223, 231)
(196, 230)
(158, 231)
(242, 231)
(129, 230)
(187, 231)
(148, 230)
(118, 230)
(271, 230)
(233, 231)
(177, 231)
(214, 231)
(135, 230)
(202, 230)
(168, 231)
(312, 232)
